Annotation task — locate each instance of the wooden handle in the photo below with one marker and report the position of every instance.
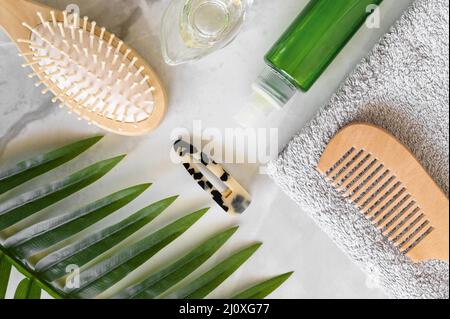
(14, 12)
(9, 16)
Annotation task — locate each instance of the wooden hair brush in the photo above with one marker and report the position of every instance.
(373, 170)
(96, 75)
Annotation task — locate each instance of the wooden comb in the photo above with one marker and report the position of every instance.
(92, 72)
(378, 174)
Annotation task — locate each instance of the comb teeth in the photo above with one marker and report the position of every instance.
(361, 178)
(83, 51)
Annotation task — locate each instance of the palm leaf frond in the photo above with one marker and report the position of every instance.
(41, 164)
(43, 235)
(80, 253)
(206, 283)
(28, 289)
(102, 276)
(16, 209)
(262, 290)
(5, 272)
(44, 251)
(168, 277)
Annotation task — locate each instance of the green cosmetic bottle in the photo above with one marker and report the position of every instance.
(304, 51)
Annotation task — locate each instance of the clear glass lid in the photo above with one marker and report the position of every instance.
(192, 29)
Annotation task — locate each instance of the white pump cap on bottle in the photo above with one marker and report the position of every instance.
(271, 91)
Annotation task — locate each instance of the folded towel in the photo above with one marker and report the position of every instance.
(401, 86)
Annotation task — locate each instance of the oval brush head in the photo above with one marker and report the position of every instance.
(95, 74)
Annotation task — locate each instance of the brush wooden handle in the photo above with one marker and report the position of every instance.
(14, 12)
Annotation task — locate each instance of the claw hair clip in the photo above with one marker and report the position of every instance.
(234, 199)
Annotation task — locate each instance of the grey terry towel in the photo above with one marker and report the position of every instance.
(401, 86)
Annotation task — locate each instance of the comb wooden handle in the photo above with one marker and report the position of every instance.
(377, 173)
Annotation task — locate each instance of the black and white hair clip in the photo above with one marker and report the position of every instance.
(235, 199)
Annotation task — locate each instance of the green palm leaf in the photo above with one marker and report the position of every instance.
(38, 165)
(5, 272)
(80, 253)
(162, 280)
(50, 244)
(104, 275)
(43, 235)
(206, 283)
(25, 205)
(263, 289)
(28, 289)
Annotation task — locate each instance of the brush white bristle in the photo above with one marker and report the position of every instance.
(89, 69)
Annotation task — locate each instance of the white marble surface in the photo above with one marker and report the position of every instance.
(211, 90)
